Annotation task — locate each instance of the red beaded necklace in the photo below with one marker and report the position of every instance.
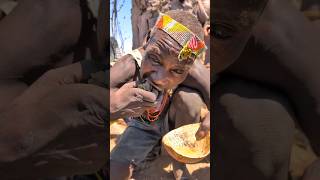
(153, 114)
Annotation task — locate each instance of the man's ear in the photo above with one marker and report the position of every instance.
(206, 29)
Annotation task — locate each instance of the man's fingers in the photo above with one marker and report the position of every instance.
(130, 84)
(147, 104)
(202, 132)
(146, 95)
(98, 95)
(65, 75)
(88, 96)
(70, 74)
(204, 127)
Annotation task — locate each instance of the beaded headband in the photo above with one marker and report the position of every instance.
(192, 45)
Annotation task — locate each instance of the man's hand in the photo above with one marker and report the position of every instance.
(58, 121)
(204, 127)
(129, 101)
(199, 79)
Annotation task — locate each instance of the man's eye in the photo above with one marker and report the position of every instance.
(178, 71)
(222, 32)
(154, 59)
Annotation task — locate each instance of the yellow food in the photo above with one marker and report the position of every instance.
(182, 145)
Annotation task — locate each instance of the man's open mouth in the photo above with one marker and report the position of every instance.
(148, 85)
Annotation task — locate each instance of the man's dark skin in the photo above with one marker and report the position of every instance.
(289, 69)
(36, 34)
(198, 78)
(231, 26)
(34, 24)
(312, 172)
(49, 117)
(249, 143)
(118, 79)
(43, 126)
(292, 43)
(186, 104)
(161, 68)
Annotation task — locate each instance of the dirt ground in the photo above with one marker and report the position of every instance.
(161, 168)
(302, 155)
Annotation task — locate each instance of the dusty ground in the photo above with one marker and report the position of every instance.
(161, 168)
(302, 156)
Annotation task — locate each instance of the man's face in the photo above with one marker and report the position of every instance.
(231, 27)
(160, 64)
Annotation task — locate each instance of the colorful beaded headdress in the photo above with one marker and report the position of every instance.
(191, 44)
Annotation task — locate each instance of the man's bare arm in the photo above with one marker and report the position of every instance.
(34, 32)
(293, 39)
(125, 99)
(54, 110)
(199, 79)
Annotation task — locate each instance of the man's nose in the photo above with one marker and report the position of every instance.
(162, 84)
(160, 80)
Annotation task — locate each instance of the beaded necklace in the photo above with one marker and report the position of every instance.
(153, 114)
